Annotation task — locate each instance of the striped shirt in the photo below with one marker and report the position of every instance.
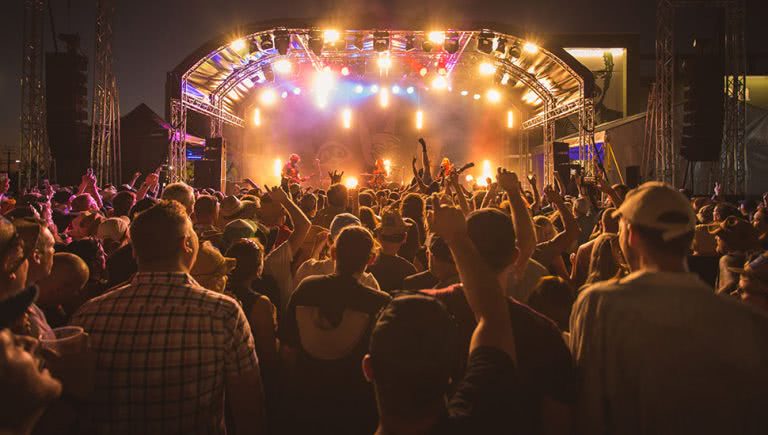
(164, 346)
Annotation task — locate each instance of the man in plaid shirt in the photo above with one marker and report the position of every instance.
(169, 351)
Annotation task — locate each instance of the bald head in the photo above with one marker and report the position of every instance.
(68, 276)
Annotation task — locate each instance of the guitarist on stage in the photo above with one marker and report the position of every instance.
(291, 170)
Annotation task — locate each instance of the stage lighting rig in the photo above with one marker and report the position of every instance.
(380, 41)
(266, 42)
(485, 42)
(451, 44)
(282, 41)
(315, 41)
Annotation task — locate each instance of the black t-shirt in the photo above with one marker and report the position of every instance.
(329, 320)
(390, 271)
(61, 219)
(121, 265)
(544, 363)
(420, 281)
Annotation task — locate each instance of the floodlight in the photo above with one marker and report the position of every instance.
(283, 66)
(487, 68)
(530, 47)
(501, 45)
(451, 44)
(257, 117)
(282, 41)
(268, 97)
(351, 182)
(409, 90)
(266, 42)
(384, 62)
(485, 42)
(493, 96)
(515, 50)
(439, 82)
(510, 119)
(395, 89)
(419, 120)
(331, 36)
(384, 98)
(346, 117)
(344, 71)
(237, 44)
(437, 38)
(380, 41)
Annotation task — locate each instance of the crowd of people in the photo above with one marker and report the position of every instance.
(434, 307)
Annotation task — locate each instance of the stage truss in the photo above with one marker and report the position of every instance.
(561, 85)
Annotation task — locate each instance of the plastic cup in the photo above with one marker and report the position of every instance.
(65, 340)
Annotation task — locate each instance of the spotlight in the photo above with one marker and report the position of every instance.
(257, 117)
(469, 178)
(442, 71)
(419, 120)
(395, 89)
(380, 41)
(487, 69)
(331, 36)
(510, 119)
(284, 95)
(283, 66)
(426, 46)
(409, 90)
(439, 82)
(359, 89)
(384, 98)
(464, 93)
(296, 91)
(268, 97)
(423, 71)
(436, 38)
(531, 48)
(315, 42)
(410, 42)
(265, 42)
(501, 45)
(350, 182)
(384, 62)
(493, 96)
(282, 41)
(476, 96)
(374, 89)
(237, 44)
(485, 42)
(277, 168)
(505, 79)
(346, 117)
(515, 50)
(344, 71)
(451, 42)
(387, 166)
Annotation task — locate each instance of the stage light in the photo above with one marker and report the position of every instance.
(409, 89)
(505, 79)
(442, 71)
(346, 117)
(387, 166)
(510, 119)
(469, 178)
(493, 96)
(384, 62)
(351, 182)
(476, 96)
(436, 38)
(359, 89)
(423, 71)
(419, 120)
(464, 93)
(237, 44)
(315, 42)
(268, 97)
(395, 89)
(283, 66)
(331, 36)
(323, 82)
(321, 101)
(501, 45)
(410, 42)
(257, 117)
(265, 42)
(277, 168)
(486, 68)
(384, 98)
(374, 89)
(380, 41)
(426, 46)
(487, 173)
(531, 48)
(451, 44)
(296, 91)
(344, 71)
(485, 42)
(282, 41)
(439, 82)
(514, 50)
(284, 95)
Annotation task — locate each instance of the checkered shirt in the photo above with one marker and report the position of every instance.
(164, 346)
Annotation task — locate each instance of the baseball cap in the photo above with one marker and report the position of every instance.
(738, 233)
(13, 306)
(113, 228)
(658, 206)
(341, 221)
(415, 333)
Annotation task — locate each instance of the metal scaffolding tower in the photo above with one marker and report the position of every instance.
(105, 113)
(661, 154)
(34, 154)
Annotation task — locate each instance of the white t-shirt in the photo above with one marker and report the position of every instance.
(660, 353)
(314, 267)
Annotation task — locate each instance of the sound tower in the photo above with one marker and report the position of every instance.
(211, 170)
(561, 160)
(66, 106)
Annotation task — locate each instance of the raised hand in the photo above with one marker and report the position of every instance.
(552, 195)
(507, 180)
(718, 189)
(152, 179)
(277, 195)
(423, 144)
(335, 176)
(446, 221)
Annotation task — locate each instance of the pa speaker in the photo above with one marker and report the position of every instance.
(703, 102)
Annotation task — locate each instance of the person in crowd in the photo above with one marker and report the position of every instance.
(736, 241)
(61, 203)
(606, 261)
(337, 204)
(760, 222)
(414, 207)
(580, 263)
(544, 365)
(553, 297)
(182, 193)
(113, 233)
(60, 292)
(14, 267)
(38, 250)
(582, 211)
(324, 336)
(550, 252)
(649, 352)
(368, 218)
(441, 271)
(206, 215)
(85, 225)
(92, 252)
(308, 205)
(122, 203)
(193, 337)
(211, 269)
(390, 269)
(326, 266)
(753, 282)
(83, 202)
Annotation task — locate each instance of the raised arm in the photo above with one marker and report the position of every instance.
(135, 177)
(300, 222)
(521, 219)
(609, 191)
(481, 288)
(149, 182)
(565, 238)
(454, 181)
(419, 182)
(493, 188)
(425, 160)
(536, 196)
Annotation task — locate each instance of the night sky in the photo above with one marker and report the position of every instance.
(153, 36)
